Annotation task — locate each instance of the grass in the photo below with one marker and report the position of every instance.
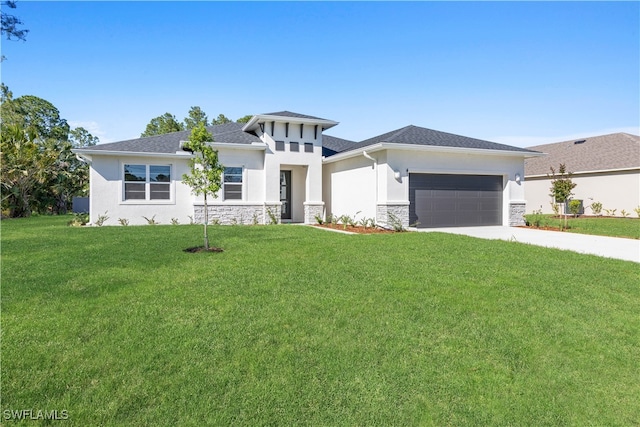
(612, 227)
(298, 326)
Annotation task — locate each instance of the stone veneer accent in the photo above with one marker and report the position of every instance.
(516, 213)
(311, 210)
(230, 214)
(399, 210)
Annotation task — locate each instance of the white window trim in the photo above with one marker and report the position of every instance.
(243, 185)
(147, 187)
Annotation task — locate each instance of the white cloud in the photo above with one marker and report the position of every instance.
(93, 128)
(530, 141)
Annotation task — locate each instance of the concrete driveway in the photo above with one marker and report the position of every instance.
(609, 247)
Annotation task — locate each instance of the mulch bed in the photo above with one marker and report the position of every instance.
(197, 249)
(357, 229)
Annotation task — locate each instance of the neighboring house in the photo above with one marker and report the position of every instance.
(281, 165)
(605, 168)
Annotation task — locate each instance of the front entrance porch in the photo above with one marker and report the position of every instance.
(294, 190)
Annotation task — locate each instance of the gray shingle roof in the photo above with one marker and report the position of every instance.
(296, 115)
(332, 145)
(416, 135)
(170, 143)
(613, 151)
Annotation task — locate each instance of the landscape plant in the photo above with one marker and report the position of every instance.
(536, 218)
(624, 213)
(596, 208)
(79, 219)
(611, 212)
(561, 187)
(574, 207)
(205, 170)
(102, 219)
(637, 211)
(273, 218)
(395, 223)
(123, 221)
(151, 221)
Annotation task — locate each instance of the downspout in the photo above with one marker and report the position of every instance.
(375, 169)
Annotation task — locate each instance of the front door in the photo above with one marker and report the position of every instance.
(285, 194)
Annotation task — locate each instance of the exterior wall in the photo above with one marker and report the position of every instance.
(106, 192)
(306, 168)
(406, 162)
(359, 184)
(350, 187)
(388, 214)
(516, 214)
(615, 190)
(236, 213)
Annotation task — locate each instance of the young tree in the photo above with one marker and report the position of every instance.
(196, 115)
(206, 170)
(160, 125)
(561, 187)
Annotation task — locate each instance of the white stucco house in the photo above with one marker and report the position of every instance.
(605, 168)
(282, 165)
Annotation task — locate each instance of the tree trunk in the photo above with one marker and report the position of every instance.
(206, 222)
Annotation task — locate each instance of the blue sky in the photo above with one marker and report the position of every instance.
(521, 73)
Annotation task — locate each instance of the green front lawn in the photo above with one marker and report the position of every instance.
(295, 325)
(613, 227)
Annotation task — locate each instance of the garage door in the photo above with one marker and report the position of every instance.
(454, 200)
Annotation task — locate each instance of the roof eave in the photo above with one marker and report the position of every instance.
(432, 148)
(600, 171)
(262, 118)
(89, 153)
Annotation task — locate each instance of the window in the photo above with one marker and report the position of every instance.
(308, 147)
(294, 146)
(232, 183)
(279, 145)
(147, 182)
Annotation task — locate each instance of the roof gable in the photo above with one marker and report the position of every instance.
(605, 152)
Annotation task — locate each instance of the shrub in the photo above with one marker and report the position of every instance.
(174, 221)
(123, 221)
(102, 219)
(556, 208)
(637, 211)
(272, 217)
(79, 219)
(535, 219)
(395, 223)
(596, 208)
(152, 220)
(367, 222)
(574, 207)
(611, 212)
(318, 219)
(624, 213)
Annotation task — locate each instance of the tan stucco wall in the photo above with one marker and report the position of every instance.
(615, 190)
